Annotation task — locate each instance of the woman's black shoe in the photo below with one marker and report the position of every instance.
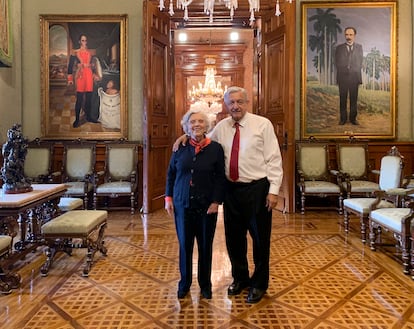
(181, 294)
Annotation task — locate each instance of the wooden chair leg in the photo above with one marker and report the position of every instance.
(302, 202)
(341, 204)
(53, 247)
(363, 223)
(346, 221)
(132, 204)
(93, 247)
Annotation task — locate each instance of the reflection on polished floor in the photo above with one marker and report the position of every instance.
(320, 278)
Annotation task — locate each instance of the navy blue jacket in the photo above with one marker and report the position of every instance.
(199, 178)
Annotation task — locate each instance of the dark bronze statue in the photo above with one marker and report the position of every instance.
(14, 153)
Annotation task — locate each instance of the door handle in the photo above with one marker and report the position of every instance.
(285, 141)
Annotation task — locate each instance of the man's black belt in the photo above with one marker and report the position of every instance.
(253, 182)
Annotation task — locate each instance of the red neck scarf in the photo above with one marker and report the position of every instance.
(200, 145)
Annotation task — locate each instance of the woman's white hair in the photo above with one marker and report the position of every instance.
(186, 118)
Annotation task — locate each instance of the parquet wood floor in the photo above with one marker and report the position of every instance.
(320, 278)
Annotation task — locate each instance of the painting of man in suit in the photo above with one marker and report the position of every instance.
(348, 70)
(348, 61)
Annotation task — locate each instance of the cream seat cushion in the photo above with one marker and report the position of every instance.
(362, 186)
(321, 187)
(75, 222)
(5, 241)
(114, 187)
(363, 205)
(77, 187)
(66, 204)
(390, 217)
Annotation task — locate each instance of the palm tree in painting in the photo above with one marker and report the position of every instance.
(326, 26)
(377, 68)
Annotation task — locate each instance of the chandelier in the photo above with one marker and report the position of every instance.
(211, 91)
(254, 6)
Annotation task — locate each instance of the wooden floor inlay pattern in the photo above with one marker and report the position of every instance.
(320, 278)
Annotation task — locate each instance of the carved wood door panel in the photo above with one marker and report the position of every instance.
(277, 94)
(158, 105)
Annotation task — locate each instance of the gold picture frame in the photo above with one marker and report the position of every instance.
(373, 25)
(84, 76)
(6, 38)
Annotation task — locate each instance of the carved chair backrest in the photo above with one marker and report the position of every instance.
(121, 161)
(312, 160)
(392, 170)
(353, 160)
(38, 161)
(78, 160)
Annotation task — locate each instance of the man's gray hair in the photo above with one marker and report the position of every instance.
(234, 89)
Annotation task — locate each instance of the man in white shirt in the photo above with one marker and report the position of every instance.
(251, 197)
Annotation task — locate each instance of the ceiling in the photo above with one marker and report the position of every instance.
(197, 17)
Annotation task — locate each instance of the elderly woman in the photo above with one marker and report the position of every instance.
(194, 189)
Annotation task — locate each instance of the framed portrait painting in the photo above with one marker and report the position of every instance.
(348, 78)
(6, 44)
(84, 74)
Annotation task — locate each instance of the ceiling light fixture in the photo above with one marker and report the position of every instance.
(211, 91)
(232, 5)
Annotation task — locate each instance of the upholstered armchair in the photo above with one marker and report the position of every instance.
(78, 169)
(8, 279)
(38, 162)
(38, 168)
(119, 177)
(353, 164)
(390, 177)
(398, 221)
(5, 248)
(315, 177)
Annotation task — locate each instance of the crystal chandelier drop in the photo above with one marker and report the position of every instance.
(232, 5)
(211, 91)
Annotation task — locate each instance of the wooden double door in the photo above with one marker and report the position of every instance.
(164, 99)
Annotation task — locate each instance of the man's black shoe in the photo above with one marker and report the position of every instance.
(237, 287)
(206, 294)
(355, 123)
(342, 123)
(255, 295)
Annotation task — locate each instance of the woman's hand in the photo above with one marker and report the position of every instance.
(169, 207)
(213, 208)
